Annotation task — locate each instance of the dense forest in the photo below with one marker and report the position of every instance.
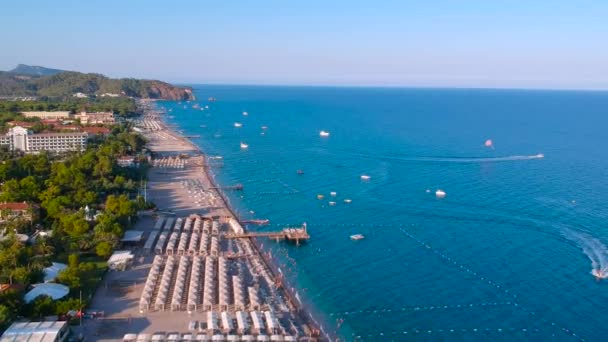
(65, 84)
(119, 105)
(60, 187)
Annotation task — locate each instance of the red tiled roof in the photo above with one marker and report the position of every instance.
(5, 287)
(96, 130)
(23, 124)
(14, 206)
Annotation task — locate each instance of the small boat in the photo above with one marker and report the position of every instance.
(196, 106)
(217, 135)
(300, 172)
(357, 237)
(440, 193)
(211, 99)
(319, 196)
(245, 113)
(333, 194)
(244, 146)
(324, 134)
(262, 133)
(332, 203)
(365, 177)
(599, 274)
(348, 200)
(540, 155)
(238, 124)
(264, 127)
(428, 191)
(207, 107)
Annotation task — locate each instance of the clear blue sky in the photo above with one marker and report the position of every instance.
(471, 43)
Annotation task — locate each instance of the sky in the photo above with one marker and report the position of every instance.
(466, 43)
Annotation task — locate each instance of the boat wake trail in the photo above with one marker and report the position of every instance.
(595, 250)
(444, 159)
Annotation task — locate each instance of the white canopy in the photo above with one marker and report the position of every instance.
(132, 236)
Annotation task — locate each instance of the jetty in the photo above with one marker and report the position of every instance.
(237, 187)
(288, 234)
(262, 222)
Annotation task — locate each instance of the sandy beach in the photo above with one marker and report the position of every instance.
(185, 195)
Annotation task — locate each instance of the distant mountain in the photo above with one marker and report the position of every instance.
(34, 70)
(23, 81)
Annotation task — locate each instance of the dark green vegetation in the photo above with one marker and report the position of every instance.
(67, 83)
(62, 186)
(119, 105)
(34, 70)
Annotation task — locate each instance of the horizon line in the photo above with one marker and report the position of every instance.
(430, 87)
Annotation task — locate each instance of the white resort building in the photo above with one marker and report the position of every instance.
(21, 139)
(84, 117)
(47, 115)
(95, 118)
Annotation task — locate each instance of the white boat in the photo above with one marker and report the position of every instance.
(357, 237)
(540, 155)
(245, 113)
(348, 200)
(206, 107)
(244, 146)
(332, 203)
(365, 177)
(264, 127)
(333, 194)
(324, 134)
(238, 124)
(440, 193)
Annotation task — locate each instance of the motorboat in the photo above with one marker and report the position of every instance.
(357, 237)
(319, 196)
(540, 155)
(244, 146)
(207, 107)
(238, 124)
(440, 193)
(264, 127)
(348, 200)
(300, 172)
(245, 113)
(332, 203)
(324, 133)
(365, 177)
(333, 194)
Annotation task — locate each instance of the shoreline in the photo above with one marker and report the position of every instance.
(195, 151)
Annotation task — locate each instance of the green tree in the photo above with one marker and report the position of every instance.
(104, 249)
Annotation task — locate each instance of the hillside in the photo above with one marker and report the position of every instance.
(67, 83)
(34, 70)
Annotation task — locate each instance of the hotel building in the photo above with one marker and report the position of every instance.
(21, 139)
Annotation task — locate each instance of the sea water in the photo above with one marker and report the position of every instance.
(507, 254)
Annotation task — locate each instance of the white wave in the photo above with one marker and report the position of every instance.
(595, 250)
(454, 159)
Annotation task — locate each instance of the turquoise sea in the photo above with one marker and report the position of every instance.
(507, 255)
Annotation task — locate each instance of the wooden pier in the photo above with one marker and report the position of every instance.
(237, 187)
(289, 234)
